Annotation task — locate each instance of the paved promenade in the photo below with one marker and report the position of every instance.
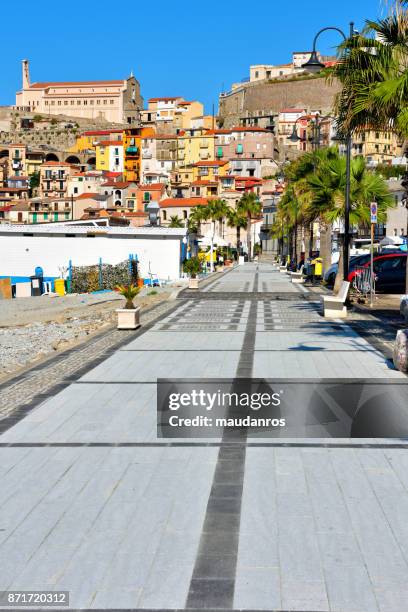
(92, 502)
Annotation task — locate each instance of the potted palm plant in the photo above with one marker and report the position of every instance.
(192, 267)
(129, 315)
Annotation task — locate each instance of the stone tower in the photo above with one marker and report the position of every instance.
(26, 74)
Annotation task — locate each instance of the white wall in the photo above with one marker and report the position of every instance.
(19, 255)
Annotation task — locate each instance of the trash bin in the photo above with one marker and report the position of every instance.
(36, 285)
(59, 285)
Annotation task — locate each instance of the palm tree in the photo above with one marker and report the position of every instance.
(175, 221)
(374, 75)
(327, 191)
(195, 219)
(250, 206)
(215, 210)
(237, 219)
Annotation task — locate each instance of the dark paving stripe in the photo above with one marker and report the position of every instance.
(230, 445)
(126, 609)
(213, 580)
(256, 296)
(21, 411)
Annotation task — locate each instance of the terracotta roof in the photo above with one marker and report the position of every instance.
(153, 187)
(183, 202)
(117, 184)
(164, 99)
(5, 208)
(55, 163)
(91, 196)
(110, 143)
(111, 174)
(135, 214)
(13, 189)
(204, 183)
(210, 163)
(292, 110)
(101, 132)
(74, 83)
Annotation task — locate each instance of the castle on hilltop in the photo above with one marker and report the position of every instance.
(118, 101)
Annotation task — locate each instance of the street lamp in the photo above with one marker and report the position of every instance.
(315, 139)
(153, 210)
(313, 65)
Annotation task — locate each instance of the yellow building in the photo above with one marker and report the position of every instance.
(209, 171)
(195, 146)
(109, 155)
(132, 139)
(87, 140)
(377, 146)
(185, 112)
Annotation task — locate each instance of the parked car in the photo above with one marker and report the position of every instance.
(389, 270)
(355, 260)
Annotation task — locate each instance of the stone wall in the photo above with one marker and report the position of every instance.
(271, 97)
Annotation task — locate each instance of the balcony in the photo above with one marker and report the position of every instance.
(147, 154)
(132, 151)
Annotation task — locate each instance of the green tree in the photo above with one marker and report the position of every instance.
(251, 208)
(237, 219)
(215, 211)
(374, 77)
(175, 221)
(34, 183)
(327, 195)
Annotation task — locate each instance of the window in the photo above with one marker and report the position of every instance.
(390, 263)
(52, 102)
(256, 74)
(85, 102)
(75, 189)
(105, 101)
(59, 102)
(91, 102)
(45, 216)
(131, 203)
(65, 102)
(61, 185)
(112, 101)
(72, 102)
(184, 214)
(78, 102)
(98, 102)
(164, 215)
(55, 216)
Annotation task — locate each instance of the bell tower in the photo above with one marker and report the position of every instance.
(26, 74)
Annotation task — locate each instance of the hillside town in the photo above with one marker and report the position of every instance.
(204, 308)
(94, 153)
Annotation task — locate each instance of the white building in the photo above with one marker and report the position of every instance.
(159, 250)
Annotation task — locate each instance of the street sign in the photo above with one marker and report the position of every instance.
(374, 209)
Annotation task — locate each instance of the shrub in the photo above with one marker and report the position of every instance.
(192, 266)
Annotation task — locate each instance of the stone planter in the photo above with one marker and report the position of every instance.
(193, 283)
(128, 319)
(404, 307)
(400, 355)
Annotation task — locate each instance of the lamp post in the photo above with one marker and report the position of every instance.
(315, 140)
(153, 210)
(314, 65)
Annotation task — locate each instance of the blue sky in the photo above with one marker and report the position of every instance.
(174, 47)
